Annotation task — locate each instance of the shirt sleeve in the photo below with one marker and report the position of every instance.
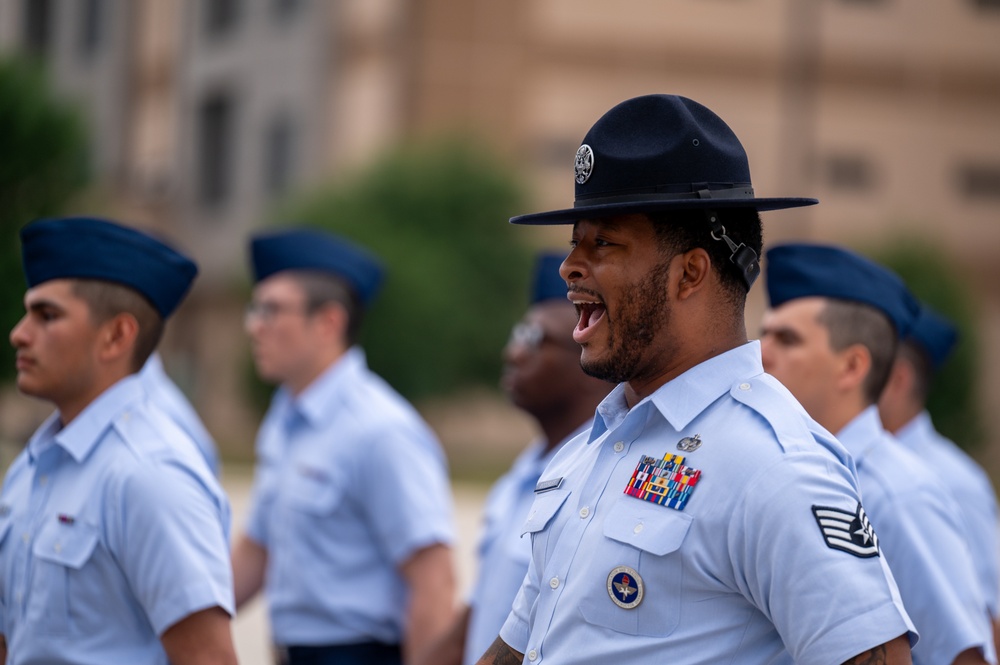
(172, 545)
(922, 543)
(516, 628)
(827, 602)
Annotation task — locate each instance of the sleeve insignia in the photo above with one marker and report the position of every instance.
(849, 532)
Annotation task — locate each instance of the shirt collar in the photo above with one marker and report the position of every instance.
(82, 434)
(683, 398)
(313, 404)
(861, 434)
(918, 429)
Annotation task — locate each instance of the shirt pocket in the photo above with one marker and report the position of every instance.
(60, 552)
(647, 539)
(544, 508)
(312, 491)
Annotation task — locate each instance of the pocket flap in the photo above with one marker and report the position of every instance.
(543, 509)
(647, 526)
(69, 545)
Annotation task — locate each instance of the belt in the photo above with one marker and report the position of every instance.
(360, 653)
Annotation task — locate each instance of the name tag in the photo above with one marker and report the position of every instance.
(548, 485)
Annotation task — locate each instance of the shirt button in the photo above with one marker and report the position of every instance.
(25, 537)
(638, 528)
(619, 446)
(744, 386)
(554, 583)
(19, 597)
(42, 480)
(532, 655)
(584, 512)
(57, 547)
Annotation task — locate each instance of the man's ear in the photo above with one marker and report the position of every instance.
(855, 364)
(332, 317)
(117, 337)
(694, 268)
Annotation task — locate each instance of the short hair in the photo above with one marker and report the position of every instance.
(680, 231)
(848, 323)
(107, 300)
(923, 368)
(322, 288)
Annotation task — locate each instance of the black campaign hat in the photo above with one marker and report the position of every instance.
(659, 152)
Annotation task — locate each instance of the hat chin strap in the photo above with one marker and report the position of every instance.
(744, 258)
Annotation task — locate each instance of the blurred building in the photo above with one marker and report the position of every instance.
(207, 112)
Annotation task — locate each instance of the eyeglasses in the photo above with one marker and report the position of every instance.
(266, 312)
(531, 336)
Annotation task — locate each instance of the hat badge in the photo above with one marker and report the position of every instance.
(584, 165)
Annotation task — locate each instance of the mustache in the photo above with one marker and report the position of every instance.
(588, 292)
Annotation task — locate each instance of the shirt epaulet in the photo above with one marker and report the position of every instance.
(786, 417)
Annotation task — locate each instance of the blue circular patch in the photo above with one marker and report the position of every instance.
(625, 587)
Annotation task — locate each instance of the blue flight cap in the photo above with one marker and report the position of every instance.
(547, 283)
(934, 334)
(92, 248)
(309, 249)
(801, 271)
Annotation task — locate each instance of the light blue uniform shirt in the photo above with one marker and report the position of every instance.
(973, 493)
(112, 529)
(743, 574)
(503, 553)
(165, 394)
(917, 523)
(350, 482)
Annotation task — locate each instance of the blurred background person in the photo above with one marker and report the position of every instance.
(541, 376)
(113, 532)
(830, 336)
(350, 526)
(169, 398)
(903, 408)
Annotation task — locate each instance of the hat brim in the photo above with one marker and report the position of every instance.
(571, 215)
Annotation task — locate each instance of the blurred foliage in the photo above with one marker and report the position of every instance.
(42, 163)
(936, 281)
(457, 272)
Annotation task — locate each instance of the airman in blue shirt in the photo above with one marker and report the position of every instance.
(830, 336)
(903, 409)
(542, 377)
(683, 527)
(113, 531)
(350, 526)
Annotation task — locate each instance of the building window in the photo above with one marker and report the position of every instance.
(221, 16)
(279, 156)
(216, 146)
(37, 16)
(91, 26)
(848, 173)
(986, 5)
(979, 182)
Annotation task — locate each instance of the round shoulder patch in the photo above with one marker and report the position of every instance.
(584, 164)
(625, 587)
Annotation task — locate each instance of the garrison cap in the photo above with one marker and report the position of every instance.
(547, 283)
(935, 334)
(311, 249)
(659, 152)
(93, 248)
(804, 270)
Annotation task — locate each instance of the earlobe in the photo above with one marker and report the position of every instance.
(856, 363)
(118, 337)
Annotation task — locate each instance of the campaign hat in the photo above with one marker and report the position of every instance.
(659, 152)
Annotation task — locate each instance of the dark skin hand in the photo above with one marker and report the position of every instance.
(896, 652)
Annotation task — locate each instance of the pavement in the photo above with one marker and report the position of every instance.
(250, 628)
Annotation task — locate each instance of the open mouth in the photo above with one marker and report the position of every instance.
(591, 313)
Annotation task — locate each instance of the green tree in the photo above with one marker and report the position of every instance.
(42, 157)
(936, 281)
(457, 272)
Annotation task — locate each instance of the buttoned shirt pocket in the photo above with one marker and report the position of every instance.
(545, 507)
(312, 491)
(60, 551)
(642, 540)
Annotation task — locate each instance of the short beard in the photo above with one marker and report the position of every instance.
(643, 312)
